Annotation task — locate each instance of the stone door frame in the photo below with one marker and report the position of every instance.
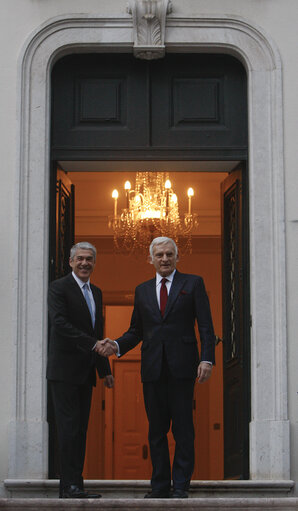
(269, 428)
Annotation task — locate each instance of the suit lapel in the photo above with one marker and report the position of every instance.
(151, 296)
(177, 284)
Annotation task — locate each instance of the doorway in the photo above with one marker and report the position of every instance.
(93, 200)
(187, 112)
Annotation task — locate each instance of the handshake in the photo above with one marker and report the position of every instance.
(106, 347)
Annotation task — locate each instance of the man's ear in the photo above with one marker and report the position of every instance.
(149, 259)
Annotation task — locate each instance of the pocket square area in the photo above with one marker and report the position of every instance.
(183, 292)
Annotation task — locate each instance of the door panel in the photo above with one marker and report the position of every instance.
(196, 101)
(61, 240)
(235, 332)
(118, 107)
(65, 226)
(131, 449)
(96, 103)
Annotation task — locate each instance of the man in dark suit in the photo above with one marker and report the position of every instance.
(164, 315)
(75, 311)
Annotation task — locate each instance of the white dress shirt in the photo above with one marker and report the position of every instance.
(168, 284)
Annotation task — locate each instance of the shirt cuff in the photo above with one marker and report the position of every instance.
(207, 362)
(118, 349)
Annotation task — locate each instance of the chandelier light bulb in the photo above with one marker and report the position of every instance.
(168, 184)
(127, 187)
(115, 197)
(190, 194)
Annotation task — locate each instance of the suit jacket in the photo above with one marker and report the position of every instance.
(71, 356)
(172, 335)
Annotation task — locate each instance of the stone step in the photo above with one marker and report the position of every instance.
(116, 489)
(137, 504)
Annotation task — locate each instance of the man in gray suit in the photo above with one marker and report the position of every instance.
(164, 315)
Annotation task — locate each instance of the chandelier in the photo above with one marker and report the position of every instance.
(151, 210)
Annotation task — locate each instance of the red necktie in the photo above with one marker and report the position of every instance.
(163, 296)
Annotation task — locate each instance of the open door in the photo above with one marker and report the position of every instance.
(235, 325)
(61, 241)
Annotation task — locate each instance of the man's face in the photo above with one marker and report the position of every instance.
(164, 259)
(83, 263)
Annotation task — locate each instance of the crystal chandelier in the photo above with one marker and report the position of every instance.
(151, 210)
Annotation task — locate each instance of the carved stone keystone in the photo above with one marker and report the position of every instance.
(149, 21)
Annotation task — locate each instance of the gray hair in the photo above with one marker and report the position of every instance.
(83, 245)
(160, 241)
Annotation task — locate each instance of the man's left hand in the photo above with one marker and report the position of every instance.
(204, 372)
(109, 381)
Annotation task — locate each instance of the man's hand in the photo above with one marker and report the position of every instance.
(109, 381)
(106, 347)
(204, 372)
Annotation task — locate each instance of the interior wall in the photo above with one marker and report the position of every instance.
(94, 201)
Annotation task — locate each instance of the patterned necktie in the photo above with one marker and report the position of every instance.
(87, 298)
(163, 296)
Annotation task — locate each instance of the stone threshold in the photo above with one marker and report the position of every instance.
(135, 489)
(191, 504)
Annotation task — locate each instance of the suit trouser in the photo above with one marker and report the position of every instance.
(72, 407)
(170, 399)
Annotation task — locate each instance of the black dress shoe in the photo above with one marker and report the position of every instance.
(73, 492)
(179, 494)
(155, 494)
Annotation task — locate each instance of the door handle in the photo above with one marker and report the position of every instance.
(145, 452)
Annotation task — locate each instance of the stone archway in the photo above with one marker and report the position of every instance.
(269, 430)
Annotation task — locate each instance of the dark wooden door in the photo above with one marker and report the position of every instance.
(61, 241)
(235, 325)
(62, 226)
(116, 107)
